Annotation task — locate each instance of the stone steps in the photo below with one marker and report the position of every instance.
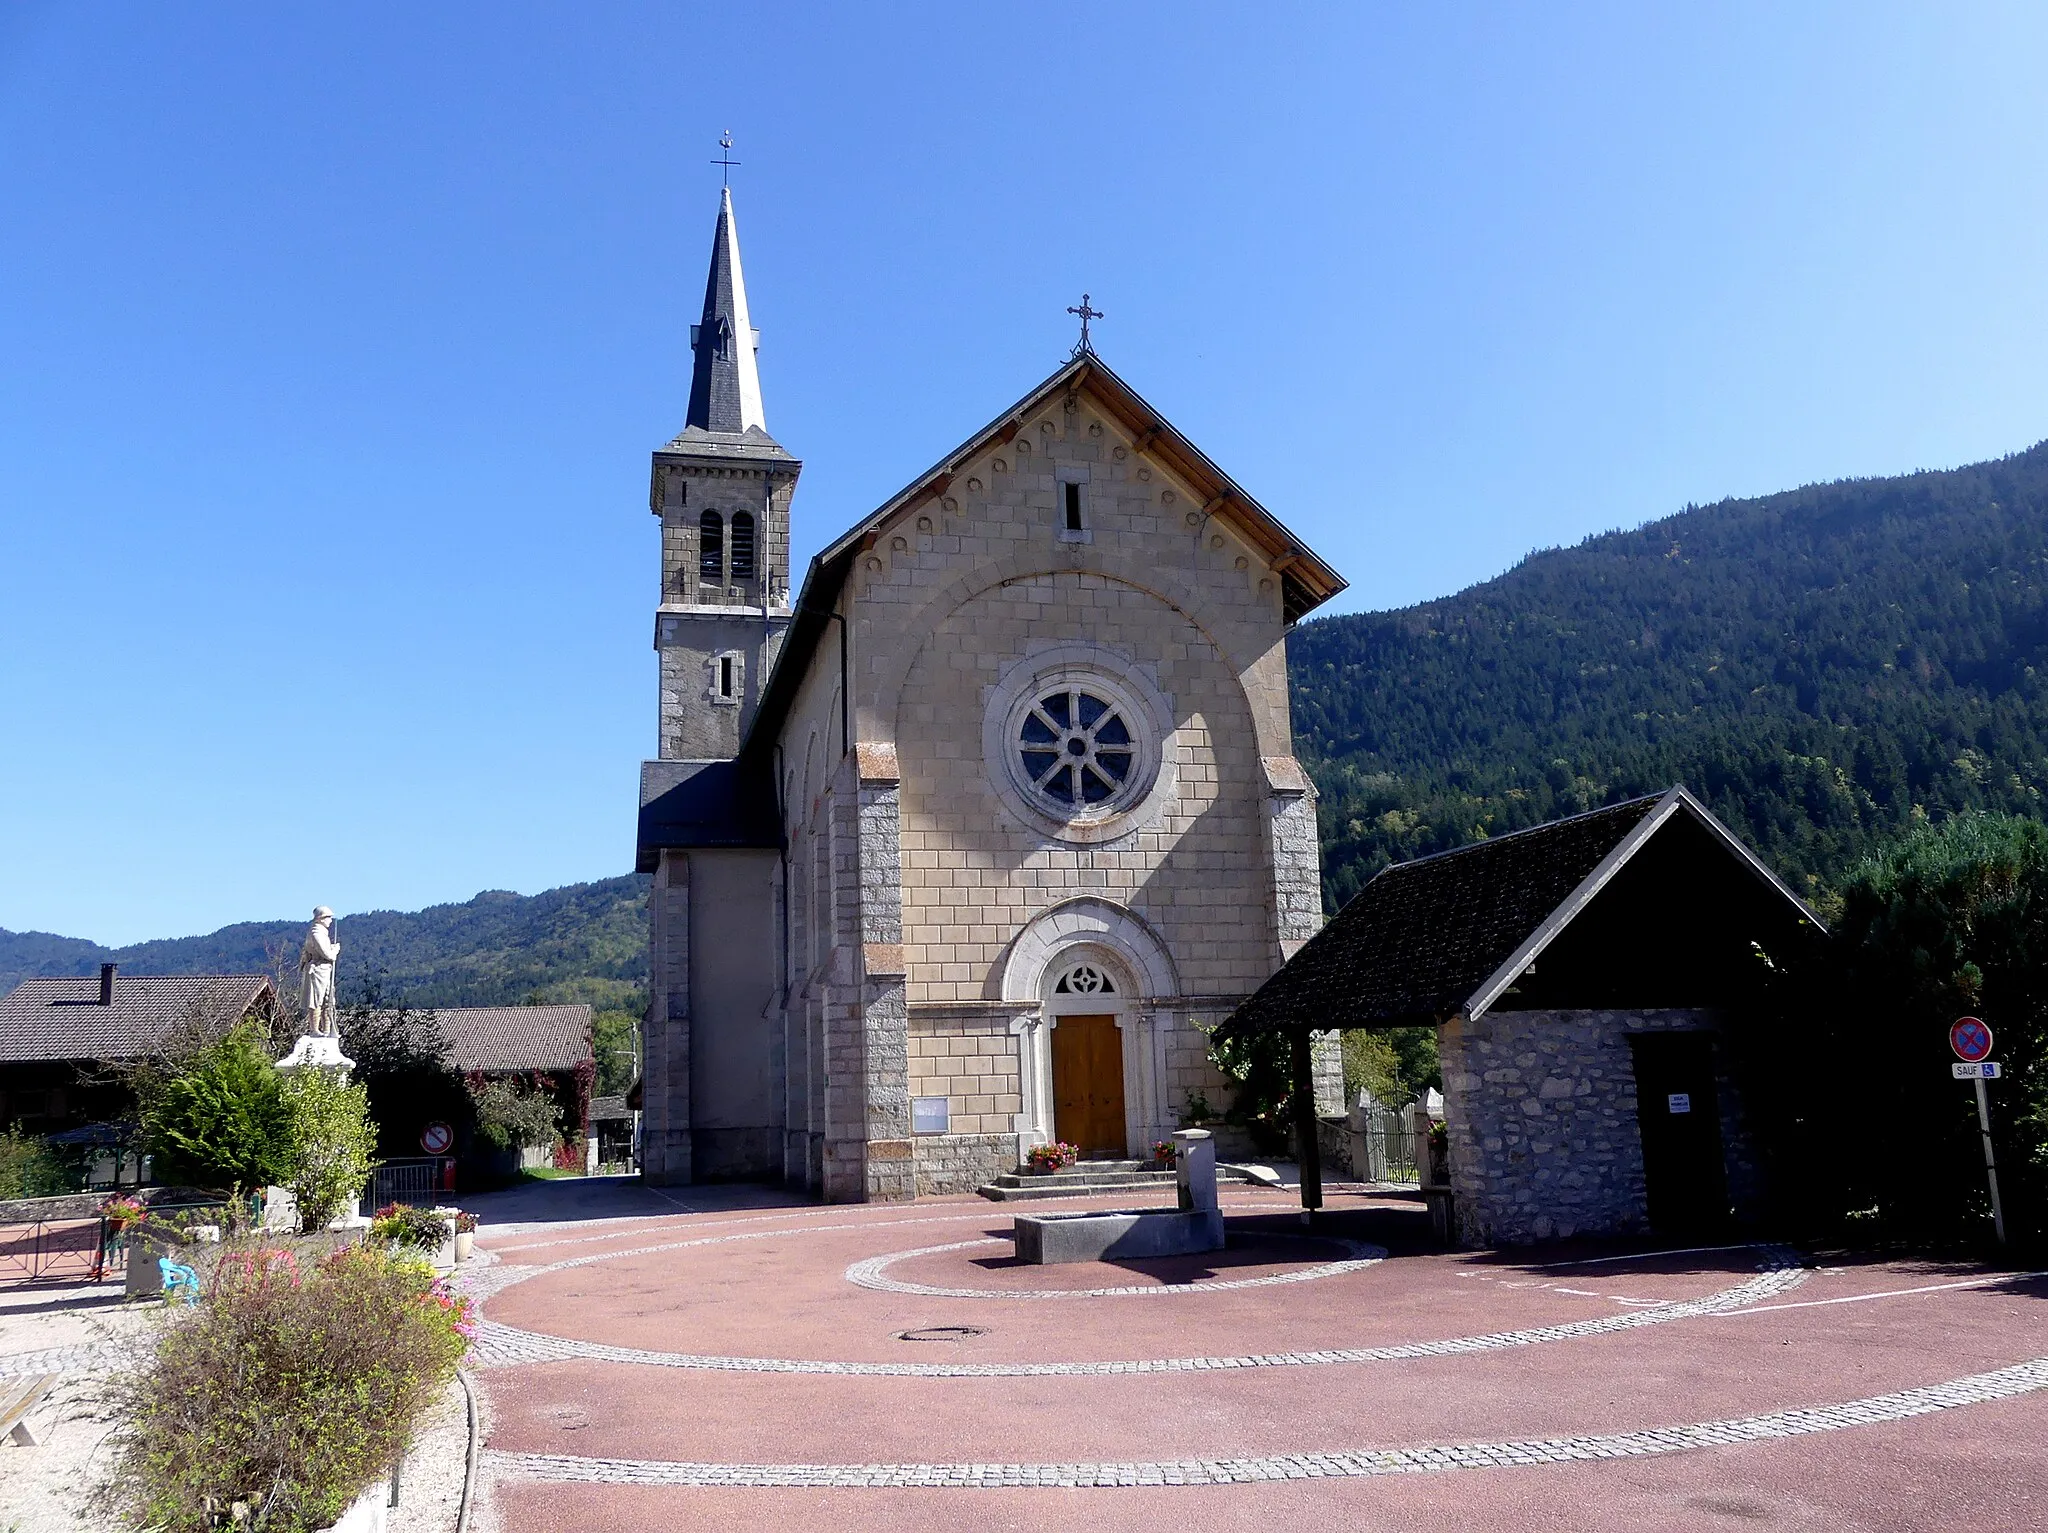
(1085, 1179)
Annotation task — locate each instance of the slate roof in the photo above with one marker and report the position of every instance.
(501, 1039)
(703, 804)
(1428, 938)
(609, 1109)
(62, 1018)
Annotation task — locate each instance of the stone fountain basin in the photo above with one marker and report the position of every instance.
(1117, 1234)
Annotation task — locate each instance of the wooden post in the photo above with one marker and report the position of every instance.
(1305, 1125)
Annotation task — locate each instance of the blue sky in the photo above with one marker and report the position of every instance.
(333, 341)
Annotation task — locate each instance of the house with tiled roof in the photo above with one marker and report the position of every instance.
(509, 1040)
(59, 1033)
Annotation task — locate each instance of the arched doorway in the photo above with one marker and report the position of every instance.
(1085, 1007)
(1116, 1017)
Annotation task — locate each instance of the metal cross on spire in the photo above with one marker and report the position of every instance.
(1086, 314)
(726, 160)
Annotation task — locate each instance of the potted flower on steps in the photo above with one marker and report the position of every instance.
(1044, 1159)
(465, 1235)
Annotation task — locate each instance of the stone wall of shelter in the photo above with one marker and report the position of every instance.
(1541, 1112)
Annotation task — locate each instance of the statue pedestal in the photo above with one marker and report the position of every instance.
(314, 1050)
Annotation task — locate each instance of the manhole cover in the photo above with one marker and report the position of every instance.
(943, 1333)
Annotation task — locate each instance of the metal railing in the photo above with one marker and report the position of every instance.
(419, 1182)
(58, 1248)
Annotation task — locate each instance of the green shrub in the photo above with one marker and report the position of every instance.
(333, 1143)
(29, 1168)
(282, 1398)
(512, 1116)
(222, 1121)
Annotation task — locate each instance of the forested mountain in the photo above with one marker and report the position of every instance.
(1823, 667)
(583, 942)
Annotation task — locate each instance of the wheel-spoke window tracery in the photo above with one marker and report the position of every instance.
(1076, 749)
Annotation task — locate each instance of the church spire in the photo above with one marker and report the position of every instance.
(725, 386)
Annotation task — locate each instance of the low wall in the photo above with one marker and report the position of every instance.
(949, 1163)
(77, 1205)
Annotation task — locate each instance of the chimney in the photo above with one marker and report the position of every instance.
(107, 983)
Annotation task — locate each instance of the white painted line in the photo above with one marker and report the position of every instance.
(1891, 1293)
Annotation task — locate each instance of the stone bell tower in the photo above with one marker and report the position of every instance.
(722, 489)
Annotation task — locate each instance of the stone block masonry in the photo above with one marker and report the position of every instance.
(1541, 1107)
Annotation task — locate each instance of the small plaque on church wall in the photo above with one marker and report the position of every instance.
(928, 1115)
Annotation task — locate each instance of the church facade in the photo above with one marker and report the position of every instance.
(968, 844)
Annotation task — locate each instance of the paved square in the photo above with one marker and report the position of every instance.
(740, 1361)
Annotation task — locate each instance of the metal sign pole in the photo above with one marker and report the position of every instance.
(1990, 1162)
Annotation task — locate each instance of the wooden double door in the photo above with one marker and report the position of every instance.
(1088, 1086)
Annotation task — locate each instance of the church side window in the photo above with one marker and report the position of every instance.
(1076, 748)
(711, 547)
(1073, 505)
(743, 545)
(727, 677)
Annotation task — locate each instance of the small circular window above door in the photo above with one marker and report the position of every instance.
(1085, 979)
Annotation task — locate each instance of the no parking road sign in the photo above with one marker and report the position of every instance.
(1971, 1040)
(436, 1137)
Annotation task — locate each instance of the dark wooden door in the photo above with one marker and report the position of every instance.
(1679, 1114)
(1088, 1086)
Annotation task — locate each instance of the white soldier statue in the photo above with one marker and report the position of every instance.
(316, 962)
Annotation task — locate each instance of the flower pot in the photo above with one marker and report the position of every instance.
(465, 1243)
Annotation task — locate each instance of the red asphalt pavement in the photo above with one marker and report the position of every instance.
(780, 1290)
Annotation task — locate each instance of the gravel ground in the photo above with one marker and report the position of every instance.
(84, 1332)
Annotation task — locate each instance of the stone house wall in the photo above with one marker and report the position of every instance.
(1541, 1109)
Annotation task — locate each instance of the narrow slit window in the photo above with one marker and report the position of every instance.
(711, 547)
(743, 545)
(1073, 506)
(725, 675)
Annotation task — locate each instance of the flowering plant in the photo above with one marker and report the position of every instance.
(120, 1212)
(454, 1306)
(465, 1223)
(399, 1224)
(1051, 1157)
(1165, 1151)
(1439, 1136)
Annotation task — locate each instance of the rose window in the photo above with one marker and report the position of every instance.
(1076, 749)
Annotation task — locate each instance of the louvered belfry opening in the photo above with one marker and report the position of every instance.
(743, 545)
(711, 547)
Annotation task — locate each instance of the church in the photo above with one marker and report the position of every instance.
(970, 843)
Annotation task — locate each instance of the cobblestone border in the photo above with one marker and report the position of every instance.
(2000, 1384)
(499, 1346)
